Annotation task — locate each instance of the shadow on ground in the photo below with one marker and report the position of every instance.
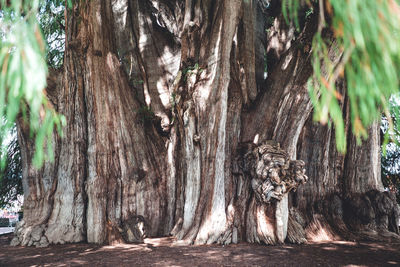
(163, 252)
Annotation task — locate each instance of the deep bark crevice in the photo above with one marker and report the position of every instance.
(163, 101)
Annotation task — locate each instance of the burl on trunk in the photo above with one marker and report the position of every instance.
(169, 106)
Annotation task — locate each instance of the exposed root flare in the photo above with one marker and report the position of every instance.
(43, 234)
(29, 235)
(373, 216)
(319, 230)
(296, 225)
(373, 210)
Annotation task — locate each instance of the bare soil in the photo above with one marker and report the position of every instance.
(164, 252)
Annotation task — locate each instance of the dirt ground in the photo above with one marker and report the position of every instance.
(163, 252)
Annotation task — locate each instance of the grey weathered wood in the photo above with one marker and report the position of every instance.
(164, 101)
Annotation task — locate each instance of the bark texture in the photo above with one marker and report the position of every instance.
(169, 107)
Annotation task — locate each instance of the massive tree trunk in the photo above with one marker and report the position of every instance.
(169, 111)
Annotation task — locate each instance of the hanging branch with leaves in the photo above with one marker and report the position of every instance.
(368, 36)
(23, 76)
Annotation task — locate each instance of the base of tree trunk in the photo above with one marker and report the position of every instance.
(373, 216)
(258, 213)
(168, 105)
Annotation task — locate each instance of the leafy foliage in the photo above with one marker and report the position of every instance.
(390, 168)
(23, 75)
(186, 72)
(390, 157)
(52, 23)
(367, 34)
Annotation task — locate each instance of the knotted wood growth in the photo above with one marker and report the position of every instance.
(198, 68)
(272, 172)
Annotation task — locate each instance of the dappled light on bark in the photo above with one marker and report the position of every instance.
(193, 119)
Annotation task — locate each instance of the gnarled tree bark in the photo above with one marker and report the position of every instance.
(164, 100)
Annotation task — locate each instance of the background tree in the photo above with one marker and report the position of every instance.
(390, 170)
(52, 24)
(168, 111)
(391, 152)
(11, 174)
